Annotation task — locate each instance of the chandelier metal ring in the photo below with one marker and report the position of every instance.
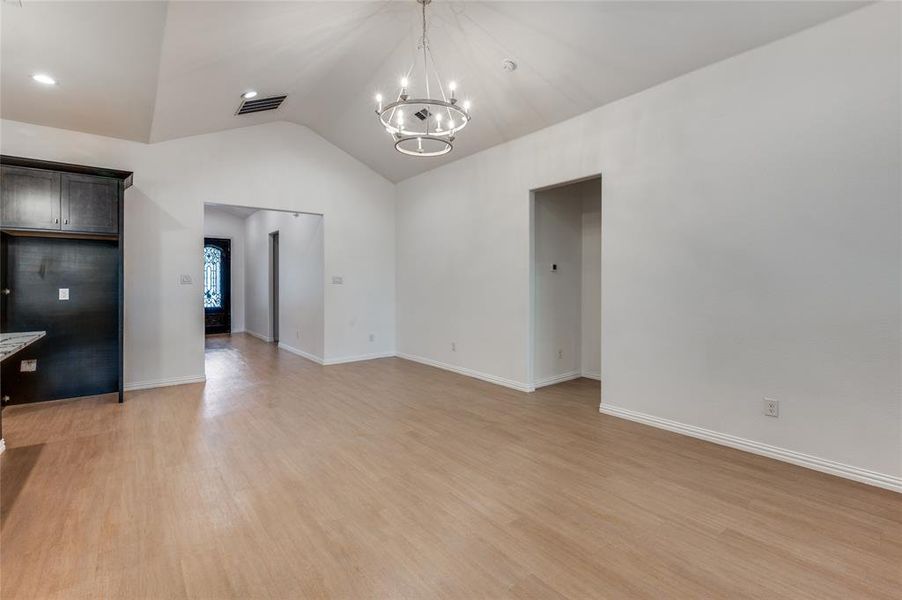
(417, 145)
(456, 119)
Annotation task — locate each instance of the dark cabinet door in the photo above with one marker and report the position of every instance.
(30, 198)
(89, 204)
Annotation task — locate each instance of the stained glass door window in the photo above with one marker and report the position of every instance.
(212, 277)
(217, 284)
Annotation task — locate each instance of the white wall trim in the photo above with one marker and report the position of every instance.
(595, 376)
(823, 465)
(318, 360)
(348, 359)
(156, 383)
(557, 379)
(237, 331)
(265, 338)
(510, 383)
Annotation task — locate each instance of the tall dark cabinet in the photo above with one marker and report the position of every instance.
(62, 272)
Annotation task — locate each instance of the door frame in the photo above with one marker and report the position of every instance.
(274, 286)
(531, 253)
(225, 245)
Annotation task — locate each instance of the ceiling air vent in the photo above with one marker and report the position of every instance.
(259, 104)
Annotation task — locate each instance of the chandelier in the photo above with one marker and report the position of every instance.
(420, 124)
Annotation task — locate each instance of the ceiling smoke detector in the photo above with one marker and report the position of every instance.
(509, 65)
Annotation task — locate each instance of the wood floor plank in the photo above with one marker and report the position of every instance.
(280, 478)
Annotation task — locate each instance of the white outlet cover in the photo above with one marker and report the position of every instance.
(64, 293)
(185, 279)
(337, 280)
(28, 366)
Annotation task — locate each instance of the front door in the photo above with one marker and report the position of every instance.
(217, 288)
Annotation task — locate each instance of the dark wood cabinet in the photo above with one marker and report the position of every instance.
(89, 204)
(61, 260)
(29, 198)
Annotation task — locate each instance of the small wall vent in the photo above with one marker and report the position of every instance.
(259, 104)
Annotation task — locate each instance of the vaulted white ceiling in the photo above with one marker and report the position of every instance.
(153, 71)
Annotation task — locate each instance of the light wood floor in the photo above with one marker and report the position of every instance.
(388, 479)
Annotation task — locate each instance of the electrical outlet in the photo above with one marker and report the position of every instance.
(372, 337)
(64, 293)
(185, 280)
(771, 407)
(453, 347)
(28, 366)
(338, 280)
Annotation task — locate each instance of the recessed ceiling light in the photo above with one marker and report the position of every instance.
(45, 79)
(249, 94)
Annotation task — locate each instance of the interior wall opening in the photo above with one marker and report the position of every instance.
(275, 275)
(566, 282)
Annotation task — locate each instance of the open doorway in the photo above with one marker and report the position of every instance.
(274, 286)
(565, 248)
(276, 280)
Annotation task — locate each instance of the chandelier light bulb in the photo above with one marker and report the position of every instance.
(452, 86)
(44, 78)
(378, 97)
(404, 82)
(467, 105)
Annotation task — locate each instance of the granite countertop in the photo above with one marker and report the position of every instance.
(10, 343)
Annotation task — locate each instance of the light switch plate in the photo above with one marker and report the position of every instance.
(64, 293)
(337, 280)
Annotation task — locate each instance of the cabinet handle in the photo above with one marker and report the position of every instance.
(56, 220)
(66, 221)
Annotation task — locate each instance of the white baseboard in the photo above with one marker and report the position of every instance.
(237, 331)
(265, 338)
(882, 480)
(156, 383)
(510, 383)
(334, 361)
(340, 360)
(595, 376)
(2, 445)
(557, 379)
(318, 360)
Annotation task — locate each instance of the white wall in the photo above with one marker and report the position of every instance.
(277, 165)
(558, 294)
(221, 224)
(750, 247)
(590, 309)
(301, 279)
